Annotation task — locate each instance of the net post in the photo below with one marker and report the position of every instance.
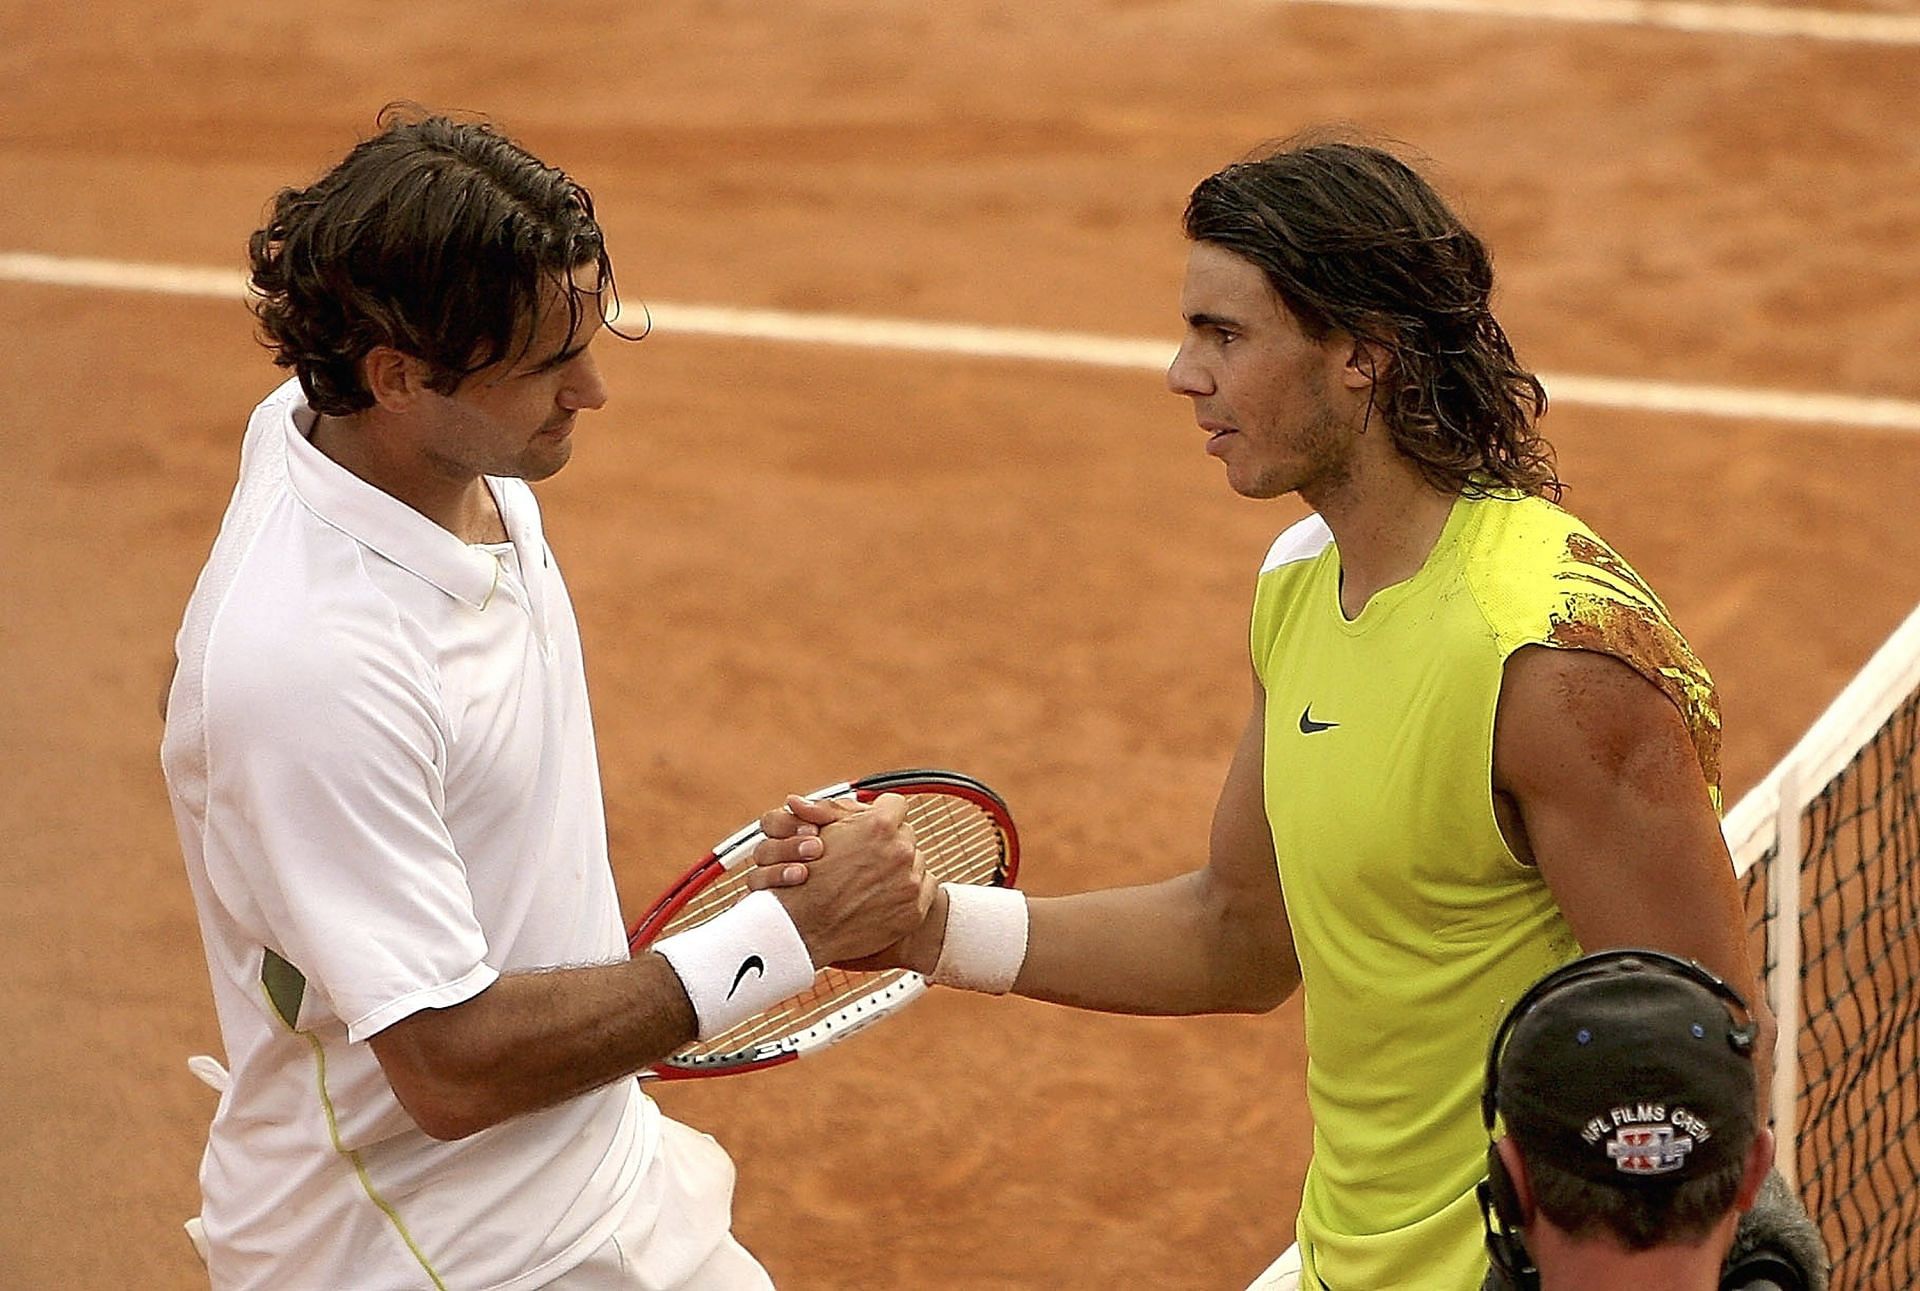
(1783, 986)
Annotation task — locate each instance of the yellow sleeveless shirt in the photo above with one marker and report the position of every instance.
(1415, 926)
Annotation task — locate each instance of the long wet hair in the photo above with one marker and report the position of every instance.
(438, 238)
(1354, 240)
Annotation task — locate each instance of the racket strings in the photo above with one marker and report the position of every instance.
(959, 842)
(717, 896)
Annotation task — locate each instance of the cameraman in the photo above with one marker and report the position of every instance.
(1626, 1085)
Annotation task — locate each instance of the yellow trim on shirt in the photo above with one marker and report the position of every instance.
(353, 1156)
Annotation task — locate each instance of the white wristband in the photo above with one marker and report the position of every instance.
(986, 938)
(733, 966)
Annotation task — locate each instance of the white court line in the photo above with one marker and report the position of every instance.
(1678, 15)
(1017, 343)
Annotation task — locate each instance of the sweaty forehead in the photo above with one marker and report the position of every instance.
(1226, 284)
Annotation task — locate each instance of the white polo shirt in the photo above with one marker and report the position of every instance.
(383, 772)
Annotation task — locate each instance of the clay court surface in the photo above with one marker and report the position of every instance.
(794, 563)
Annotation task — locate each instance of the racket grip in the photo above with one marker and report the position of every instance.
(738, 963)
(986, 938)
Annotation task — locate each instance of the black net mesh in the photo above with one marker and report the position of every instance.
(1858, 1099)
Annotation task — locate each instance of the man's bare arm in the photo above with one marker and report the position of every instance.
(1614, 810)
(531, 1040)
(1215, 940)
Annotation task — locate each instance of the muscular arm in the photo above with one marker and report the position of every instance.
(1215, 940)
(1598, 767)
(531, 1040)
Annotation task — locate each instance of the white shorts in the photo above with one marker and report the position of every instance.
(1281, 1275)
(676, 1237)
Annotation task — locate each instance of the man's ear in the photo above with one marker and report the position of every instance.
(1759, 1162)
(396, 381)
(1517, 1175)
(1366, 362)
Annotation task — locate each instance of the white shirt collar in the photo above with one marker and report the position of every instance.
(384, 523)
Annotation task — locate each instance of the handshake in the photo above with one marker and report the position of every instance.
(842, 880)
(853, 881)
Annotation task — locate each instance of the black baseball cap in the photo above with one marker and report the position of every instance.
(1631, 1074)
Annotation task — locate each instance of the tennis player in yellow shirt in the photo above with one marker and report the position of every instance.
(1476, 745)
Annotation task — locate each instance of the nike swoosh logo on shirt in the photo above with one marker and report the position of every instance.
(1310, 727)
(751, 964)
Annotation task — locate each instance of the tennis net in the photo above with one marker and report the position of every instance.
(1828, 849)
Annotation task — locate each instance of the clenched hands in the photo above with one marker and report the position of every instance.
(849, 875)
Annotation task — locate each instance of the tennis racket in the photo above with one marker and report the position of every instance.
(964, 834)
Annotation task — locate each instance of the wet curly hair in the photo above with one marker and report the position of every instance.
(438, 238)
(1354, 240)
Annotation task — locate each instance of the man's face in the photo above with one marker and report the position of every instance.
(516, 418)
(1261, 387)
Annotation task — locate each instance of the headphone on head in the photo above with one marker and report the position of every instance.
(1500, 1208)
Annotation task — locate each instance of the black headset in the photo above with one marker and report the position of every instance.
(1500, 1208)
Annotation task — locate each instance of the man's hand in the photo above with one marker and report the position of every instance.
(793, 839)
(863, 886)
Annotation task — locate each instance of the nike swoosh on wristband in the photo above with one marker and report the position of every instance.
(751, 964)
(1310, 727)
